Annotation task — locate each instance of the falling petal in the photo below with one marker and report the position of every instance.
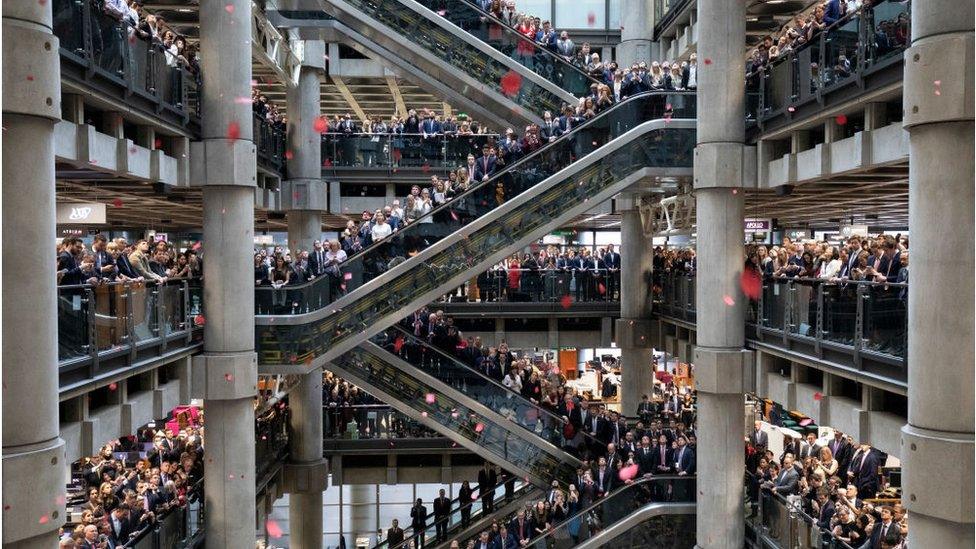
(728, 300)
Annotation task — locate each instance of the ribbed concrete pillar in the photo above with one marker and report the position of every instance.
(305, 498)
(34, 468)
(718, 355)
(938, 101)
(636, 31)
(226, 373)
(634, 324)
(305, 195)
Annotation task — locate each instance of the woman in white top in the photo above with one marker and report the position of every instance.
(513, 380)
(423, 207)
(829, 264)
(381, 229)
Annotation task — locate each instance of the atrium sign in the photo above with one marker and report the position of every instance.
(758, 225)
(81, 213)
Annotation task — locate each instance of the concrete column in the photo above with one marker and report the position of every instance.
(719, 364)
(938, 104)
(636, 30)
(34, 468)
(304, 194)
(225, 375)
(306, 475)
(634, 325)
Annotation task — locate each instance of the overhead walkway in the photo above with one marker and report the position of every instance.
(437, 49)
(635, 144)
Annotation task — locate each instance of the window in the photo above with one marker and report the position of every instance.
(539, 8)
(583, 14)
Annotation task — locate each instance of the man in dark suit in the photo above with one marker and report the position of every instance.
(521, 527)
(316, 260)
(826, 509)
(604, 477)
(645, 410)
(68, 267)
(120, 524)
(645, 457)
(442, 511)
(832, 12)
(787, 479)
(418, 521)
(886, 533)
(394, 536)
(791, 446)
(842, 453)
(810, 448)
(663, 458)
(611, 262)
(683, 465)
(865, 470)
(484, 167)
(487, 479)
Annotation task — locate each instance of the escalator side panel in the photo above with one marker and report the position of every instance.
(300, 343)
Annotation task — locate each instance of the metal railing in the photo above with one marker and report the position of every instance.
(371, 422)
(103, 326)
(113, 51)
(543, 286)
(179, 528)
(269, 144)
(401, 150)
(778, 522)
(865, 320)
(846, 52)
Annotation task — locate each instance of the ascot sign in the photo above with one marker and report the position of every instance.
(81, 213)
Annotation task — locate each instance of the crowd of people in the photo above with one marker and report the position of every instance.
(352, 412)
(131, 484)
(268, 111)
(836, 483)
(886, 35)
(117, 260)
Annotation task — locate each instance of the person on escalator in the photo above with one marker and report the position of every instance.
(487, 479)
(442, 512)
(485, 165)
(418, 521)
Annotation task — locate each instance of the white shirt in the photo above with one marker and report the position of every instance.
(692, 76)
(381, 231)
(829, 269)
(340, 255)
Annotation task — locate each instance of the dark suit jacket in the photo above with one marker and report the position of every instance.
(826, 513)
(442, 507)
(418, 517)
(525, 532)
(668, 460)
(891, 536)
(394, 536)
(785, 481)
(487, 481)
(684, 461)
(73, 275)
(759, 439)
(609, 479)
(866, 477)
(483, 166)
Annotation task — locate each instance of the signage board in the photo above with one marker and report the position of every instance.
(758, 225)
(853, 230)
(81, 213)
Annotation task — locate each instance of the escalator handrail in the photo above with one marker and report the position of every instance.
(645, 513)
(408, 534)
(589, 159)
(494, 179)
(602, 501)
(591, 441)
(524, 38)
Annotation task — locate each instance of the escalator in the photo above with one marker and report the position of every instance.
(646, 140)
(464, 420)
(655, 512)
(533, 418)
(461, 47)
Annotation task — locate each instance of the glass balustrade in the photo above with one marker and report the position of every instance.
(535, 419)
(281, 343)
(587, 519)
(849, 316)
(368, 367)
(96, 323)
(400, 150)
(544, 285)
(847, 51)
(460, 54)
(462, 514)
(269, 143)
(498, 34)
(113, 50)
(371, 422)
(778, 523)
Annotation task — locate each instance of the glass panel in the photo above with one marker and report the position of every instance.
(774, 293)
(614, 22)
(841, 50)
(109, 41)
(581, 14)
(779, 85)
(660, 532)
(804, 314)
(367, 366)
(840, 313)
(466, 56)
(660, 148)
(558, 285)
(885, 318)
(170, 302)
(68, 25)
(284, 344)
(73, 322)
(110, 316)
(142, 308)
(401, 150)
(586, 519)
(489, 392)
(889, 30)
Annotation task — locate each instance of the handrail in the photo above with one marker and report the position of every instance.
(193, 494)
(863, 49)
(632, 520)
(558, 420)
(794, 514)
(409, 534)
(522, 162)
(84, 41)
(523, 38)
